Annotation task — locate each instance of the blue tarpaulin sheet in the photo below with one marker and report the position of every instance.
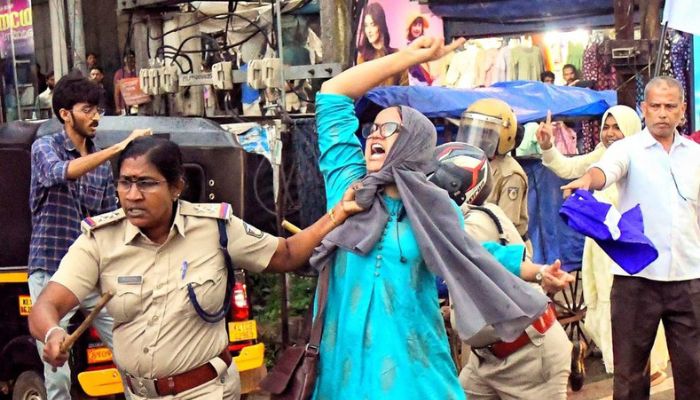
(529, 99)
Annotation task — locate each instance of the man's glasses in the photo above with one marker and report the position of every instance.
(142, 185)
(385, 130)
(90, 111)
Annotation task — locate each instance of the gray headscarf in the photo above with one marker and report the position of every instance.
(483, 292)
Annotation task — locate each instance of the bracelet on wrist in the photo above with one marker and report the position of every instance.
(50, 331)
(331, 214)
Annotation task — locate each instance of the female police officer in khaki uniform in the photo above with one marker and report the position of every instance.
(151, 254)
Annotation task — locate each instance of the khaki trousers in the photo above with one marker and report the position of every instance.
(539, 370)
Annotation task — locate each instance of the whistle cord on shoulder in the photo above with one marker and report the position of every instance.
(230, 280)
(496, 221)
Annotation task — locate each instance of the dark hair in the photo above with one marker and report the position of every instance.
(49, 74)
(97, 68)
(375, 11)
(72, 89)
(547, 74)
(160, 152)
(90, 53)
(571, 67)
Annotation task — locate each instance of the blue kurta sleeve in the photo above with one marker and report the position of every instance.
(341, 160)
(510, 256)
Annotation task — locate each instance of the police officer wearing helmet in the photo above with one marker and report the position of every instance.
(537, 364)
(491, 125)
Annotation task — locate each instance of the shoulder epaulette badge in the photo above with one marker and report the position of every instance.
(90, 224)
(207, 210)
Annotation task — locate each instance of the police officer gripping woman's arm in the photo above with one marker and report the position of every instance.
(166, 261)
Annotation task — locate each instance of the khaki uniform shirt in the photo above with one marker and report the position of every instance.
(481, 226)
(510, 190)
(157, 332)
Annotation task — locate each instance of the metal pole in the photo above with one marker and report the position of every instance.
(18, 101)
(77, 34)
(278, 172)
(58, 38)
(280, 50)
(660, 53)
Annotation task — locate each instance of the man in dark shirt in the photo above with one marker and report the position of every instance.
(97, 75)
(71, 179)
(91, 61)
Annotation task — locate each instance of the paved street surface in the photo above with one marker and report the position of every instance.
(599, 385)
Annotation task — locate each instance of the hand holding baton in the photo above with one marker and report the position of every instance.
(73, 337)
(70, 340)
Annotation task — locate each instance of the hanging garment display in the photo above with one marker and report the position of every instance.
(680, 67)
(487, 70)
(551, 238)
(666, 65)
(641, 83)
(574, 55)
(529, 146)
(462, 71)
(525, 63)
(564, 139)
(502, 61)
(600, 70)
(675, 62)
(589, 130)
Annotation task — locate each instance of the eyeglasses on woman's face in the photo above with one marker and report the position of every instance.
(142, 185)
(385, 129)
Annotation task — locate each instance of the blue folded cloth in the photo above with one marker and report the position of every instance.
(621, 236)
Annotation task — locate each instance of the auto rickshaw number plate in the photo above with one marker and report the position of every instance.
(98, 354)
(25, 305)
(242, 330)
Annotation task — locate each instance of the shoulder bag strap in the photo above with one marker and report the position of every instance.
(317, 327)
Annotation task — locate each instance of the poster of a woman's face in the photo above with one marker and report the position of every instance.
(416, 26)
(374, 36)
(388, 25)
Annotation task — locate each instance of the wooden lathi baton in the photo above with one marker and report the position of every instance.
(70, 340)
(73, 337)
(290, 227)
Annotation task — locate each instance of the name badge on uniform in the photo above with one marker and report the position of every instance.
(130, 280)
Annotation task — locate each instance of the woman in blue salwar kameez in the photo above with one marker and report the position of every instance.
(383, 334)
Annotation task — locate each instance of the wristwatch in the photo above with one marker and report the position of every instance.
(540, 274)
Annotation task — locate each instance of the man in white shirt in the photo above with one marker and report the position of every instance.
(43, 101)
(659, 170)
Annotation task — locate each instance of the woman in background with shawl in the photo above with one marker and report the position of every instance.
(618, 122)
(383, 334)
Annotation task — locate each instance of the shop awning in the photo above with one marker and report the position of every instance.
(504, 17)
(529, 99)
